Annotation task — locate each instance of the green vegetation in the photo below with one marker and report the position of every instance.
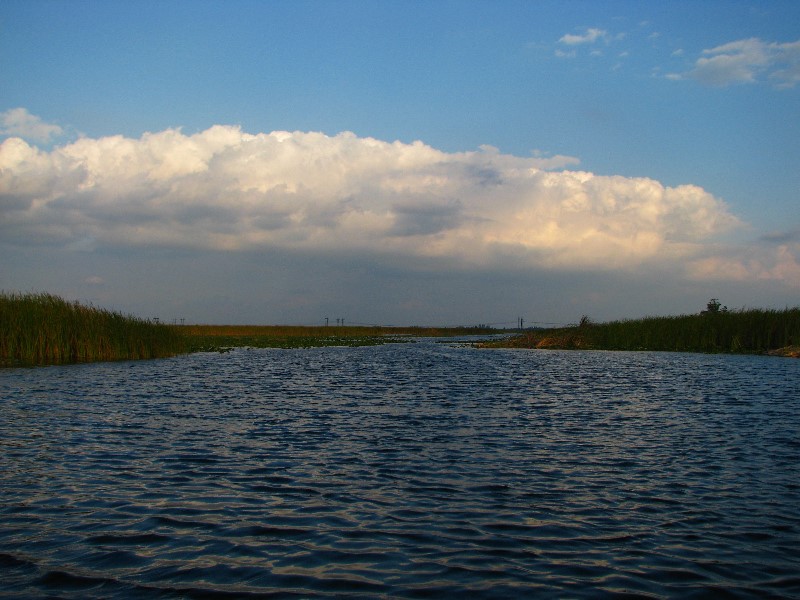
(199, 338)
(753, 331)
(44, 329)
(223, 337)
(38, 329)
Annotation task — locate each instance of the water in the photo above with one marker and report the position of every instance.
(409, 470)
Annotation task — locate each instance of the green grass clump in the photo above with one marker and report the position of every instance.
(752, 331)
(45, 329)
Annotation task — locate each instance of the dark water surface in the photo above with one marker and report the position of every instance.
(409, 470)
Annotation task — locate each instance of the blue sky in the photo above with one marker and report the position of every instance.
(440, 162)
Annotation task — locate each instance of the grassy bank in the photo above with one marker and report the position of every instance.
(44, 329)
(38, 329)
(755, 331)
(220, 337)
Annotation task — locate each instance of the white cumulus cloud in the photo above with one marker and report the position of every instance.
(19, 122)
(224, 189)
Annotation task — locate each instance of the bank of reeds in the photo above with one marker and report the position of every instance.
(750, 331)
(40, 328)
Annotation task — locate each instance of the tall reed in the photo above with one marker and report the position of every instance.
(750, 331)
(744, 331)
(40, 328)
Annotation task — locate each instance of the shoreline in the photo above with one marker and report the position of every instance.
(42, 329)
(754, 332)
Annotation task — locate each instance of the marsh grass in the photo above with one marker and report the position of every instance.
(45, 329)
(40, 328)
(223, 337)
(751, 331)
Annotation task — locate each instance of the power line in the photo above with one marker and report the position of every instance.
(516, 324)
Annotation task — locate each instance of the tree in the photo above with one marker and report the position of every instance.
(714, 307)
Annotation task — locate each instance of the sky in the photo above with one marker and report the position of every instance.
(401, 162)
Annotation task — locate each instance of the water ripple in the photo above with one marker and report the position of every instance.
(409, 471)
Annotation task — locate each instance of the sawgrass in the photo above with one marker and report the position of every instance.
(45, 329)
(223, 337)
(751, 331)
(40, 328)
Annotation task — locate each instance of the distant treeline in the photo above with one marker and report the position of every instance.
(749, 331)
(45, 329)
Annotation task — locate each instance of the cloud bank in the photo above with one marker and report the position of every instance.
(226, 190)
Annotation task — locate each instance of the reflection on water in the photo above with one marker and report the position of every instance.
(402, 471)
